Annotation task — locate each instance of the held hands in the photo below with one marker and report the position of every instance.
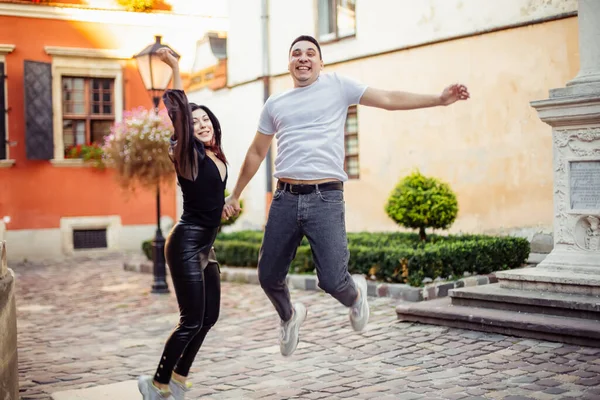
(231, 208)
(165, 55)
(453, 93)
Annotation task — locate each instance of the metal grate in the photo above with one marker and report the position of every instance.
(89, 239)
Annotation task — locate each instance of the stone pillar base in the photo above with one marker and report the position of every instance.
(563, 271)
(572, 262)
(9, 373)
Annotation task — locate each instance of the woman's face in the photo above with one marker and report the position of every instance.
(203, 128)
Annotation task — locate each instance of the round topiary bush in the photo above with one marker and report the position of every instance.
(419, 202)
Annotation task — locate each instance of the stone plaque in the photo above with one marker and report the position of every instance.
(585, 185)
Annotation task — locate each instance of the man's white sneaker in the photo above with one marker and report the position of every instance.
(359, 312)
(290, 330)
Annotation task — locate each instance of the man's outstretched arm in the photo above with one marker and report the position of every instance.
(397, 100)
(254, 157)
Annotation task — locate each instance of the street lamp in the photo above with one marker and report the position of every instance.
(156, 76)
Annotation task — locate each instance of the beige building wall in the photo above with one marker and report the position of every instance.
(493, 150)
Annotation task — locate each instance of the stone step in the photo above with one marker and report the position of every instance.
(554, 280)
(540, 302)
(582, 332)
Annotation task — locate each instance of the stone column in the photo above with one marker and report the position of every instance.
(574, 114)
(589, 42)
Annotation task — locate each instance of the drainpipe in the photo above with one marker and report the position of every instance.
(266, 92)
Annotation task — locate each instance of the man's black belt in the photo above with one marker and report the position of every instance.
(308, 189)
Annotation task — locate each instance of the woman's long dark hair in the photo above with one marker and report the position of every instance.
(183, 152)
(215, 146)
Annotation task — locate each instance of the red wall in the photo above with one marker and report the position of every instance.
(36, 194)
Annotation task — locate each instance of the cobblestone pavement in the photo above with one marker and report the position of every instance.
(87, 322)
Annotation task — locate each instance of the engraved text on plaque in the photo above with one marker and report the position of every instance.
(585, 185)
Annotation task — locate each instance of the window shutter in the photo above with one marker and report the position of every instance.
(39, 133)
(2, 114)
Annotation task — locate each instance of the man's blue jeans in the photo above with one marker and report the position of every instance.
(320, 216)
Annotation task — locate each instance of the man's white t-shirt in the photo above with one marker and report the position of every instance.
(309, 126)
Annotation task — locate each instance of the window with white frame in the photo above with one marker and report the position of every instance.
(336, 19)
(87, 92)
(88, 110)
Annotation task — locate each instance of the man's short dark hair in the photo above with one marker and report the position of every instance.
(308, 39)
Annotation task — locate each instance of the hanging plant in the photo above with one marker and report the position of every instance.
(137, 5)
(137, 149)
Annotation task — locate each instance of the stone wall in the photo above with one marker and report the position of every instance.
(9, 379)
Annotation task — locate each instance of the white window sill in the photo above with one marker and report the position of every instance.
(6, 163)
(71, 162)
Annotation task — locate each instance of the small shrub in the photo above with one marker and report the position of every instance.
(418, 202)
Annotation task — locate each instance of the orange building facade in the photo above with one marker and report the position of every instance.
(67, 76)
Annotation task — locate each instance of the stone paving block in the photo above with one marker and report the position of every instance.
(405, 292)
(371, 288)
(430, 292)
(444, 288)
(456, 396)
(382, 290)
(296, 281)
(593, 382)
(482, 280)
(311, 283)
(470, 281)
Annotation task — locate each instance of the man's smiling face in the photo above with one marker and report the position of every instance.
(305, 63)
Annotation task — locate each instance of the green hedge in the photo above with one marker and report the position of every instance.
(384, 254)
(391, 257)
(362, 238)
(369, 239)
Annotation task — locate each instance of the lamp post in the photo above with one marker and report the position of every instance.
(156, 76)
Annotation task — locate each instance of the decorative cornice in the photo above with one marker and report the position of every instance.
(154, 19)
(80, 52)
(6, 48)
(569, 111)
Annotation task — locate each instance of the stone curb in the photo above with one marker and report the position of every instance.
(310, 282)
(138, 265)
